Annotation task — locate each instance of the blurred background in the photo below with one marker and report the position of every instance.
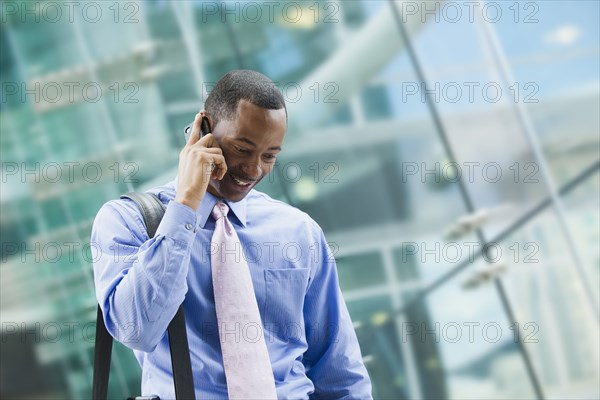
(449, 150)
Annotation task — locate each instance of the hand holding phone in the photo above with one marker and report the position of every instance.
(204, 128)
(200, 161)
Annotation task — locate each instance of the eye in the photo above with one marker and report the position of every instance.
(270, 157)
(241, 150)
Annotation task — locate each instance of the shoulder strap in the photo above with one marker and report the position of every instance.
(151, 207)
(152, 211)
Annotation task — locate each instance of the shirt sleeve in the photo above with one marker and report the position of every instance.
(140, 281)
(333, 360)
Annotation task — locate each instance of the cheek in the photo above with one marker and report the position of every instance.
(267, 169)
(226, 153)
(231, 159)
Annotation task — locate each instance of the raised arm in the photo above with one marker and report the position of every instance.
(140, 282)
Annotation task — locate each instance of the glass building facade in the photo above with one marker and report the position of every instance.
(449, 150)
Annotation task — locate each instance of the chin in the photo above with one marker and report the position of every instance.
(229, 193)
(235, 196)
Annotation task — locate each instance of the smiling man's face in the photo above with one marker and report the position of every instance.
(250, 145)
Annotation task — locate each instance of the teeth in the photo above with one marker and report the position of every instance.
(239, 181)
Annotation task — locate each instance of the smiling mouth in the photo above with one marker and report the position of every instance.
(239, 181)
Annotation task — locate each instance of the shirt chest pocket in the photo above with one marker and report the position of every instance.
(284, 298)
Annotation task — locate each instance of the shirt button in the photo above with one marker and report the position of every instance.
(188, 226)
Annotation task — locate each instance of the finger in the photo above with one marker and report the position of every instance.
(220, 166)
(208, 141)
(195, 136)
(213, 150)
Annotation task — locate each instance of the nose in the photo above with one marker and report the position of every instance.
(253, 170)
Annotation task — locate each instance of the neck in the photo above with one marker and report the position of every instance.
(210, 189)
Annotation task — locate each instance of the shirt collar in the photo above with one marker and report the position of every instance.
(238, 208)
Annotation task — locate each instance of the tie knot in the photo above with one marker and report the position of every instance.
(220, 210)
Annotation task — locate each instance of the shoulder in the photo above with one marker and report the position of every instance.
(124, 215)
(128, 208)
(119, 218)
(261, 205)
(260, 202)
(166, 192)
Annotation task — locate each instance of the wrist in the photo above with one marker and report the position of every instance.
(191, 202)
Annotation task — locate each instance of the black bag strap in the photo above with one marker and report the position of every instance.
(151, 207)
(102, 353)
(152, 211)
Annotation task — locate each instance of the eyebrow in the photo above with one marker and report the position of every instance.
(251, 143)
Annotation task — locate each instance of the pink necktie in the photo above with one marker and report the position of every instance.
(245, 358)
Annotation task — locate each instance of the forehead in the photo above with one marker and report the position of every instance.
(259, 123)
(250, 113)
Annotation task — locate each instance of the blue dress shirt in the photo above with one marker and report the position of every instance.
(141, 281)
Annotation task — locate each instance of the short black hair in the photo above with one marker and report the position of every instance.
(243, 84)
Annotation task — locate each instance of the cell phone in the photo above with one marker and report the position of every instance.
(204, 128)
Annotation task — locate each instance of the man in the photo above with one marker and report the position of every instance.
(311, 347)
